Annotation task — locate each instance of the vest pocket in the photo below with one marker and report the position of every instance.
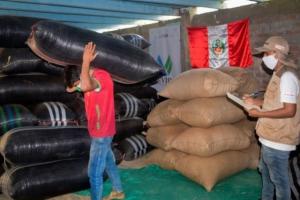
(271, 128)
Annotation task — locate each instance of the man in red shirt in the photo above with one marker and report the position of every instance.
(97, 86)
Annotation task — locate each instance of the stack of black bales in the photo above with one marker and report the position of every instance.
(44, 145)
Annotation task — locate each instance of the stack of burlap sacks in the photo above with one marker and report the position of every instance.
(198, 131)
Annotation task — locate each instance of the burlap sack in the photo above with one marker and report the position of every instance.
(199, 83)
(165, 159)
(246, 81)
(163, 113)
(162, 136)
(207, 171)
(248, 127)
(207, 112)
(254, 155)
(210, 141)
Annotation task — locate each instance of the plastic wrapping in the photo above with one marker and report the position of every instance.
(27, 145)
(14, 30)
(22, 60)
(37, 182)
(54, 114)
(139, 91)
(126, 106)
(136, 40)
(33, 89)
(134, 147)
(128, 127)
(15, 115)
(63, 45)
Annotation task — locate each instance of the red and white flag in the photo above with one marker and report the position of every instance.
(221, 45)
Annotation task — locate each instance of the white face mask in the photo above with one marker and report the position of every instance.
(270, 61)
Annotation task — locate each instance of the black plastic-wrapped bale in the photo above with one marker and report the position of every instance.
(114, 35)
(27, 145)
(150, 104)
(63, 45)
(15, 115)
(54, 114)
(134, 147)
(22, 60)
(126, 106)
(138, 91)
(136, 40)
(33, 89)
(14, 30)
(37, 182)
(128, 127)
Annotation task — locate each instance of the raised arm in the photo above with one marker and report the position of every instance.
(87, 83)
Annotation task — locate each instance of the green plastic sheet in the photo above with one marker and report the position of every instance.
(155, 183)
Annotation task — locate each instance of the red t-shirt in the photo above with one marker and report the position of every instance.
(99, 107)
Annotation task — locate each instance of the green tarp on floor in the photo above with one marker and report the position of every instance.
(155, 183)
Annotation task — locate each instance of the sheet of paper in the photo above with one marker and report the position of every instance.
(240, 101)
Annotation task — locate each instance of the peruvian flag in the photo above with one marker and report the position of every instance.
(222, 45)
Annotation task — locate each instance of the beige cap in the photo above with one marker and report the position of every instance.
(275, 43)
(281, 47)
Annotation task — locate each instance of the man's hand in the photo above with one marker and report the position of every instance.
(73, 87)
(89, 54)
(248, 99)
(254, 113)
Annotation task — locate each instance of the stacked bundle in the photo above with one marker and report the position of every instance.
(131, 141)
(46, 156)
(198, 131)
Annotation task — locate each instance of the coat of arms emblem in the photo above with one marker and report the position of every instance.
(218, 47)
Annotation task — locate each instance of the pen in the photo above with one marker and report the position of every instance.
(257, 93)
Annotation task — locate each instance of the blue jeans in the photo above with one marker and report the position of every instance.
(102, 158)
(274, 168)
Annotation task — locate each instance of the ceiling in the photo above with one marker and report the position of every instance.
(103, 15)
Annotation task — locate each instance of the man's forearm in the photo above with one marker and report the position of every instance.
(85, 78)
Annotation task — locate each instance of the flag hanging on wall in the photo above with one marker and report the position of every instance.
(221, 45)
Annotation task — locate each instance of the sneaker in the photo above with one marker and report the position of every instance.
(115, 195)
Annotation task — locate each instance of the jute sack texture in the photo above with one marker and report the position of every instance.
(246, 81)
(165, 159)
(163, 113)
(207, 112)
(210, 141)
(163, 136)
(248, 128)
(207, 171)
(199, 83)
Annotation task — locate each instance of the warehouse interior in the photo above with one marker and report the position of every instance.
(178, 132)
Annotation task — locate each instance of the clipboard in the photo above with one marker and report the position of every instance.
(240, 102)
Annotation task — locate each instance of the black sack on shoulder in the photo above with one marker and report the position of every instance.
(136, 40)
(63, 45)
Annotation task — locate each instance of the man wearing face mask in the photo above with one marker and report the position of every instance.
(278, 126)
